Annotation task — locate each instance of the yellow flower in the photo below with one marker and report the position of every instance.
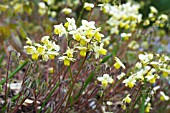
(163, 97)
(130, 81)
(52, 54)
(29, 42)
(97, 36)
(67, 11)
(99, 50)
(35, 55)
(66, 60)
(41, 49)
(59, 29)
(30, 49)
(83, 51)
(148, 108)
(45, 40)
(69, 52)
(118, 64)
(127, 99)
(51, 70)
(88, 6)
(105, 80)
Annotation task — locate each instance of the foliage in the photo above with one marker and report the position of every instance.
(84, 56)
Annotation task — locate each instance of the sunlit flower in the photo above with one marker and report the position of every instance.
(118, 64)
(105, 80)
(87, 25)
(52, 54)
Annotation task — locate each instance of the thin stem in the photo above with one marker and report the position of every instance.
(71, 88)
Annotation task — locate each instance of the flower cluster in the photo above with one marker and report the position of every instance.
(47, 49)
(125, 17)
(148, 69)
(157, 20)
(86, 38)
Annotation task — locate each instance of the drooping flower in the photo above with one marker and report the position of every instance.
(118, 64)
(163, 97)
(127, 99)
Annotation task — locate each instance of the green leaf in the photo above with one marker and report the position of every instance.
(14, 72)
(48, 97)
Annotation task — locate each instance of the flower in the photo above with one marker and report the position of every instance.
(153, 10)
(163, 97)
(121, 76)
(59, 29)
(127, 99)
(83, 51)
(29, 42)
(118, 64)
(105, 80)
(87, 25)
(30, 49)
(99, 50)
(45, 40)
(66, 60)
(70, 24)
(130, 81)
(69, 52)
(88, 6)
(51, 70)
(67, 11)
(148, 107)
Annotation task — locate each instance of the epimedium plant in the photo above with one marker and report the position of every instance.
(84, 68)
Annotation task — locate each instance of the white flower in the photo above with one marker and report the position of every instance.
(88, 6)
(88, 25)
(118, 64)
(67, 10)
(121, 76)
(163, 96)
(130, 81)
(153, 9)
(59, 29)
(99, 50)
(105, 80)
(70, 24)
(127, 99)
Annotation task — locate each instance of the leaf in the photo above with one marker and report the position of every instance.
(90, 77)
(48, 97)
(14, 72)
